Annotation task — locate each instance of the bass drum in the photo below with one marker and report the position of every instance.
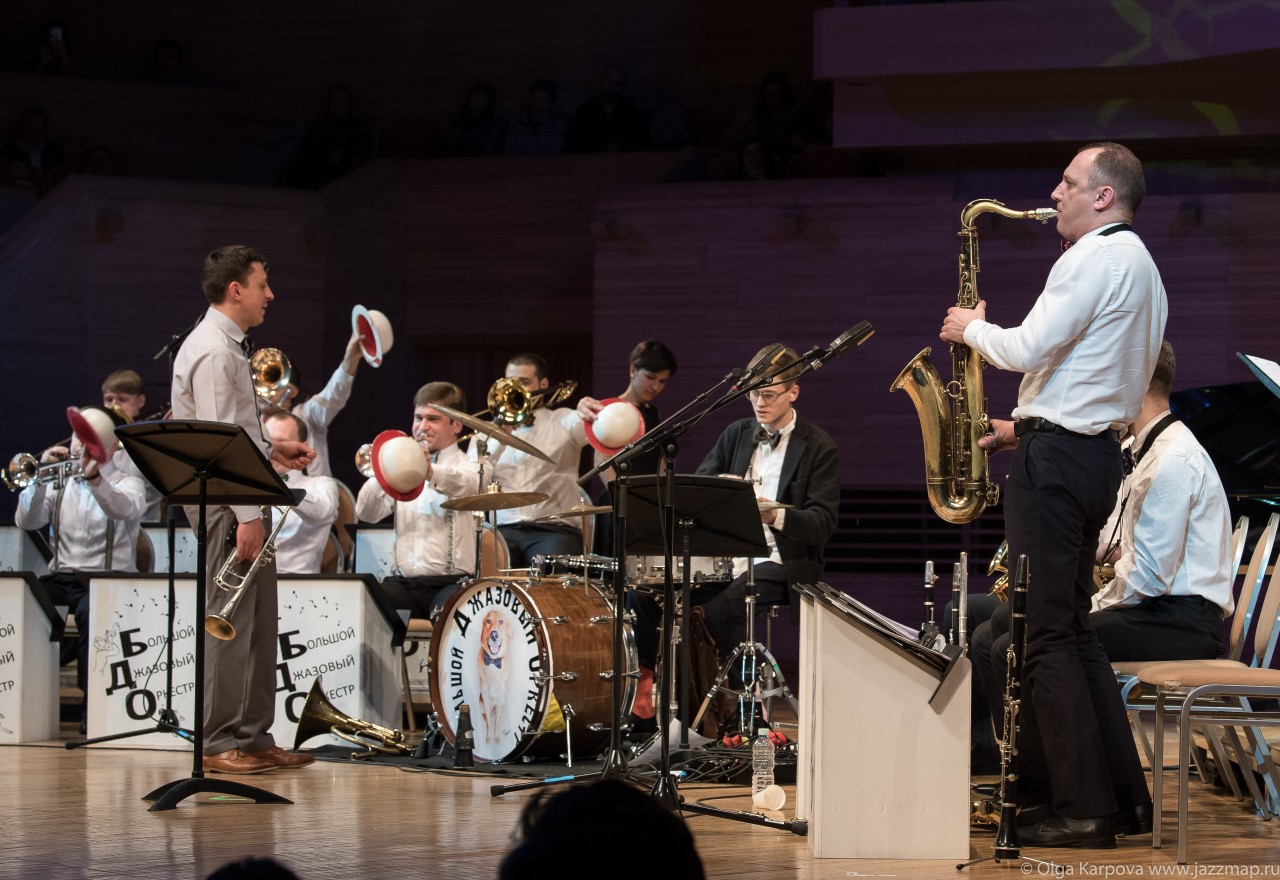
(520, 653)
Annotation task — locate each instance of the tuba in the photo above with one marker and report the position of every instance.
(319, 716)
(953, 417)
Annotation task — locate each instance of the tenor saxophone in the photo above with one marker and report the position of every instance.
(953, 416)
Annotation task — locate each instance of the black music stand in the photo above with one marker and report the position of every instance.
(197, 462)
(703, 516)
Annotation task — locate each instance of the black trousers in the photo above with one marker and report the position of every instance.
(528, 540)
(64, 588)
(1060, 490)
(421, 596)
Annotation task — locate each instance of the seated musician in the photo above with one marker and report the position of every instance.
(1172, 552)
(557, 433)
(124, 389)
(301, 543)
(95, 518)
(434, 547)
(319, 410)
(792, 461)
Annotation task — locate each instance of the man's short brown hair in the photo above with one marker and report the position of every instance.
(443, 393)
(1166, 367)
(276, 413)
(123, 382)
(780, 354)
(226, 264)
(1117, 167)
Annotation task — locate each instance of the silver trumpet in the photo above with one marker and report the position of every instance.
(219, 624)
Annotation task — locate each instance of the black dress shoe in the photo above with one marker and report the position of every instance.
(1034, 814)
(1060, 831)
(1133, 821)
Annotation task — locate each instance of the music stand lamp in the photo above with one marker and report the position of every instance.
(198, 462)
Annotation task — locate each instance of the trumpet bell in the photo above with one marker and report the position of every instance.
(319, 716)
(399, 465)
(374, 332)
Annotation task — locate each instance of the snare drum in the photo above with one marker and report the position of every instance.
(520, 652)
(650, 570)
(594, 567)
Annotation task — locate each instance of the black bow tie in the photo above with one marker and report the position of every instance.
(764, 435)
(247, 345)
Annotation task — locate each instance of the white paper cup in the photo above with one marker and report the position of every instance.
(771, 797)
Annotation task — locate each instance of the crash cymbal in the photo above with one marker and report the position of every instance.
(578, 510)
(489, 429)
(766, 504)
(495, 500)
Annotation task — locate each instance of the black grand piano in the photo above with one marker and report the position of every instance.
(1239, 426)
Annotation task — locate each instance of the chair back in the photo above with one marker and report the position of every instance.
(346, 516)
(144, 554)
(1247, 603)
(495, 557)
(332, 560)
(1237, 543)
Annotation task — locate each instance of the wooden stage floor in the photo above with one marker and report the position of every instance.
(78, 814)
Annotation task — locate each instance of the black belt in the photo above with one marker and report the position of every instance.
(1037, 425)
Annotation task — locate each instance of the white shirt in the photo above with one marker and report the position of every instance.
(429, 540)
(1175, 536)
(80, 542)
(1089, 344)
(318, 412)
(212, 381)
(560, 435)
(305, 534)
(766, 469)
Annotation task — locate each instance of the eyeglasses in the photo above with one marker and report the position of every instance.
(767, 396)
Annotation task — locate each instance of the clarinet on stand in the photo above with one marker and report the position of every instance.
(1007, 848)
(929, 629)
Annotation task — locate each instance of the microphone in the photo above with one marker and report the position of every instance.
(763, 365)
(850, 338)
(176, 342)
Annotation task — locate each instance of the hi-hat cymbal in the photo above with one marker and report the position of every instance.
(578, 510)
(489, 429)
(766, 504)
(495, 500)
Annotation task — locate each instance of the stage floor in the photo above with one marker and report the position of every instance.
(79, 814)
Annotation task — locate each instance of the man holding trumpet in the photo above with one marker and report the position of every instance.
(95, 512)
(212, 381)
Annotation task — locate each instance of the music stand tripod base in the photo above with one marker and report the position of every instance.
(169, 795)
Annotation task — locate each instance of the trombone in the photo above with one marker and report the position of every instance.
(272, 373)
(511, 404)
(219, 623)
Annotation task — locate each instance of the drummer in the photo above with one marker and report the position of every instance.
(434, 547)
(794, 466)
(559, 434)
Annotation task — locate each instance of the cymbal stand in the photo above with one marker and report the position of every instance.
(752, 656)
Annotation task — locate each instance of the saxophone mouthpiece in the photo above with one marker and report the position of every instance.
(1044, 215)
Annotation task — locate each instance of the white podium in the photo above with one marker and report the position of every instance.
(334, 626)
(18, 552)
(884, 737)
(30, 633)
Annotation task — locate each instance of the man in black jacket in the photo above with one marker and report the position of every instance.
(791, 461)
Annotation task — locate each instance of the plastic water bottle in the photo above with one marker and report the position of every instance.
(761, 761)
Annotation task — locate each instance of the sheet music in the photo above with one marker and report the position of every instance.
(896, 634)
(1267, 371)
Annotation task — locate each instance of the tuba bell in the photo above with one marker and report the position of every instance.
(319, 716)
(272, 373)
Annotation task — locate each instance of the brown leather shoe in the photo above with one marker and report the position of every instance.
(278, 757)
(236, 761)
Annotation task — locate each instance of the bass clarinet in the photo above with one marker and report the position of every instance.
(1007, 837)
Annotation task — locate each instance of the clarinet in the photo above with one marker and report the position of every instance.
(1007, 837)
(929, 629)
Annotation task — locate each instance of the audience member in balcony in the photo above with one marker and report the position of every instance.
(540, 129)
(52, 55)
(165, 66)
(782, 126)
(337, 144)
(29, 153)
(476, 129)
(96, 161)
(609, 122)
(750, 163)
